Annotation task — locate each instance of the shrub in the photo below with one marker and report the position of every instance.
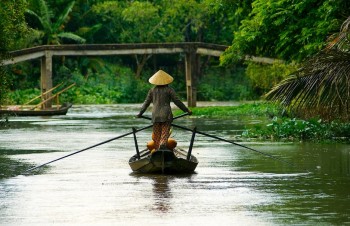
(263, 77)
(293, 129)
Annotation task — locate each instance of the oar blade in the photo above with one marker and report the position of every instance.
(85, 149)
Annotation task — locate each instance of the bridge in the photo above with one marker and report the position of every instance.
(192, 51)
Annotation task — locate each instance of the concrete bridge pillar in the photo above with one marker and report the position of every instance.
(46, 78)
(192, 60)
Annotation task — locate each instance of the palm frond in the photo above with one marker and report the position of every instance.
(63, 17)
(42, 12)
(88, 31)
(71, 36)
(43, 22)
(322, 85)
(323, 81)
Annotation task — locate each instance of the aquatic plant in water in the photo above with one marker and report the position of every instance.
(292, 129)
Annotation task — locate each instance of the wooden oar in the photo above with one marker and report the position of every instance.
(243, 146)
(104, 142)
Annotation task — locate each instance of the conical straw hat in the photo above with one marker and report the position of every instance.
(161, 78)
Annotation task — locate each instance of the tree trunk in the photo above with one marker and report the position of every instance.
(141, 64)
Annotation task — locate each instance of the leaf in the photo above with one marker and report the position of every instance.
(63, 16)
(71, 36)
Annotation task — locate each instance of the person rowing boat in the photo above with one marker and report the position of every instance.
(161, 96)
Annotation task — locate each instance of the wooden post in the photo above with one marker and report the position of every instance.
(191, 143)
(46, 78)
(191, 77)
(134, 131)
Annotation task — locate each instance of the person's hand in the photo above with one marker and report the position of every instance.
(189, 112)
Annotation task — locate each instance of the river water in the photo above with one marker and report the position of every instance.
(231, 186)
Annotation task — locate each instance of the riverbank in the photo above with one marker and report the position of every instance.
(277, 124)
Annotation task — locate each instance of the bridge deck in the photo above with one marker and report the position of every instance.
(115, 49)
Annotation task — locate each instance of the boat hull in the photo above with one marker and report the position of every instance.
(163, 161)
(47, 112)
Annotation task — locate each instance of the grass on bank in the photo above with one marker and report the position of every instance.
(253, 109)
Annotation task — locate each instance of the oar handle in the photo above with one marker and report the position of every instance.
(145, 117)
(179, 116)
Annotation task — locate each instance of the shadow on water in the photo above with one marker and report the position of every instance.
(24, 151)
(11, 168)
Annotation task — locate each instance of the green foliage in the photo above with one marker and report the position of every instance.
(163, 21)
(252, 109)
(5, 82)
(49, 31)
(107, 83)
(279, 128)
(224, 84)
(292, 129)
(134, 17)
(12, 25)
(289, 30)
(263, 77)
(12, 30)
(22, 96)
(185, 18)
(222, 17)
(109, 15)
(115, 85)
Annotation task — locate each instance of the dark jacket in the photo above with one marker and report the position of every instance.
(161, 96)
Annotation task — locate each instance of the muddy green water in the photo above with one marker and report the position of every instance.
(231, 186)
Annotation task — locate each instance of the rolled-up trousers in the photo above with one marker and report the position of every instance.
(161, 131)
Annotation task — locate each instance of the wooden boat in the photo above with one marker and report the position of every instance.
(13, 111)
(163, 161)
(40, 109)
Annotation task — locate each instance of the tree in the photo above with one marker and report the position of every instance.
(143, 24)
(12, 30)
(284, 29)
(109, 15)
(321, 86)
(164, 21)
(49, 31)
(222, 18)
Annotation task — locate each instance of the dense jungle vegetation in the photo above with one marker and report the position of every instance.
(292, 32)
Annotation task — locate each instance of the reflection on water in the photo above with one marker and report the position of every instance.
(161, 193)
(231, 186)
